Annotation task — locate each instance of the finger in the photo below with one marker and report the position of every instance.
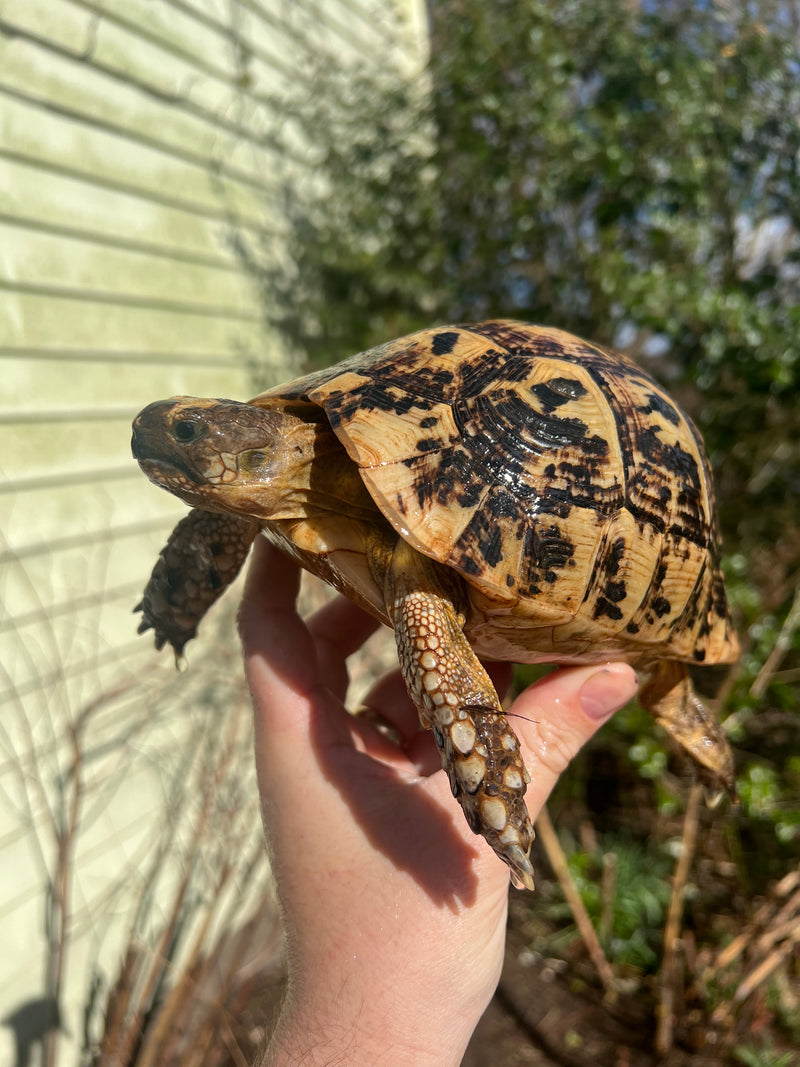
(282, 672)
(339, 629)
(272, 582)
(268, 621)
(388, 700)
(555, 717)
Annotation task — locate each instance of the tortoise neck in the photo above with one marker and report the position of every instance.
(305, 473)
(327, 480)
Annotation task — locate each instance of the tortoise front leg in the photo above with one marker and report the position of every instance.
(457, 701)
(204, 554)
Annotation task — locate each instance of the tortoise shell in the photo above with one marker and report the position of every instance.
(555, 476)
(496, 490)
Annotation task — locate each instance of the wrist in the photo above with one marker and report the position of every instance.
(329, 1027)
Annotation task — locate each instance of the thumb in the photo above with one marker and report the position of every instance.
(555, 717)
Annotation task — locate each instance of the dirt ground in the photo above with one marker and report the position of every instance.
(546, 1015)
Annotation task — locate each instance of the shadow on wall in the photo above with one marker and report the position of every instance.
(31, 1023)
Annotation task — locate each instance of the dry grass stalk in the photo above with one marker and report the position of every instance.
(558, 861)
(770, 938)
(608, 892)
(782, 645)
(669, 966)
(735, 948)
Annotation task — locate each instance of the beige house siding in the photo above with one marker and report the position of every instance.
(136, 137)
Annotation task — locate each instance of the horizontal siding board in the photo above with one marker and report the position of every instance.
(100, 672)
(168, 305)
(39, 516)
(114, 357)
(130, 245)
(46, 419)
(52, 614)
(48, 383)
(57, 560)
(336, 26)
(78, 542)
(86, 441)
(196, 112)
(188, 32)
(59, 480)
(44, 260)
(38, 320)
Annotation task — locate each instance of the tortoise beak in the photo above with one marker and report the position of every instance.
(148, 429)
(153, 444)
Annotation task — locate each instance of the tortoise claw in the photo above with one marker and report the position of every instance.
(521, 867)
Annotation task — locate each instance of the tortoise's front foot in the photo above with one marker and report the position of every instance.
(457, 701)
(202, 557)
(489, 780)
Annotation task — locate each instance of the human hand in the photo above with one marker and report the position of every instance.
(394, 911)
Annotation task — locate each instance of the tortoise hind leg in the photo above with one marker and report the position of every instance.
(670, 698)
(204, 554)
(457, 701)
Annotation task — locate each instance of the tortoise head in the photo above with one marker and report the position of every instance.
(221, 455)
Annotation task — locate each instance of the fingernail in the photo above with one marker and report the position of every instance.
(607, 691)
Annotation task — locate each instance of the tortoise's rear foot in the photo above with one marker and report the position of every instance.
(669, 697)
(202, 557)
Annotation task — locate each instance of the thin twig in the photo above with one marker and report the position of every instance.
(666, 1005)
(61, 904)
(781, 647)
(764, 969)
(558, 861)
(608, 892)
(771, 937)
(735, 948)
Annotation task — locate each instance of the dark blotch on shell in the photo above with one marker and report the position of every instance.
(658, 403)
(615, 591)
(444, 342)
(558, 391)
(605, 607)
(428, 444)
(661, 606)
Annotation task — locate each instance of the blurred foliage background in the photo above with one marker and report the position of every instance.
(628, 172)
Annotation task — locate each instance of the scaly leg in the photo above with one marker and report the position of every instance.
(669, 697)
(204, 554)
(457, 701)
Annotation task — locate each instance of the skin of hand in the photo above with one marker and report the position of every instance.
(394, 911)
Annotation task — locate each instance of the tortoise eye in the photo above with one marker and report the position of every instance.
(185, 431)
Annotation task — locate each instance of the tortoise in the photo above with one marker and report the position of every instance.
(496, 490)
